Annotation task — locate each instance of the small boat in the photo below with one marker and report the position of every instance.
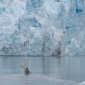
(28, 73)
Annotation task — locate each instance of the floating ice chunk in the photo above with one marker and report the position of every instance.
(82, 83)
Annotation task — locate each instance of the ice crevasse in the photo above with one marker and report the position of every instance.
(42, 27)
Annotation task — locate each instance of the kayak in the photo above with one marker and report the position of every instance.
(28, 73)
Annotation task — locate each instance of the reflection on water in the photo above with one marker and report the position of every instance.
(73, 68)
(46, 70)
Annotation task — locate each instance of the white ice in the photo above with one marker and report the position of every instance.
(42, 27)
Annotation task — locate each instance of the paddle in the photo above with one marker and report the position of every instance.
(23, 66)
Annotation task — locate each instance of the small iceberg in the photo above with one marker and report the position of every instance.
(82, 83)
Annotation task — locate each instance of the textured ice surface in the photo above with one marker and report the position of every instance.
(42, 27)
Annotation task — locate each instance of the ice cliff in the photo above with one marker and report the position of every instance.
(42, 27)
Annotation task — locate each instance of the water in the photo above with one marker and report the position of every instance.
(45, 70)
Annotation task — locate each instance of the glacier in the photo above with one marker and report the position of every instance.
(42, 27)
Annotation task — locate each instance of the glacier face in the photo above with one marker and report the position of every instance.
(42, 27)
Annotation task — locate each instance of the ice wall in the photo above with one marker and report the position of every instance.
(42, 27)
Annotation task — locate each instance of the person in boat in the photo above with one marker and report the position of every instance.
(27, 70)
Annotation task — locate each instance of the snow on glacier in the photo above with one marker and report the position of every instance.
(42, 27)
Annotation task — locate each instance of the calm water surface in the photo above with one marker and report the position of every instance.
(45, 70)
